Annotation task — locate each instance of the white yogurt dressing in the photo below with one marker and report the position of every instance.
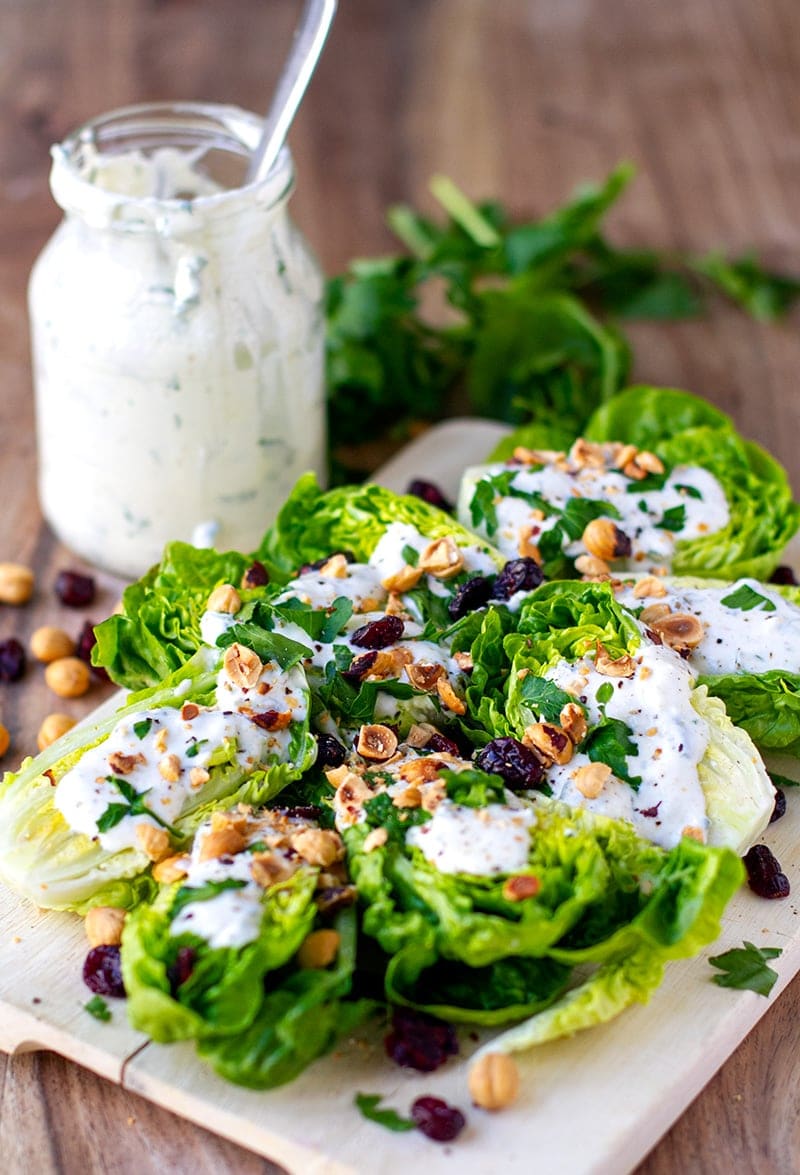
(481, 841)
(232, 918)
(670, 735)
(178, 349)
(84, 793)
(694, 489)
(361, 584)
(737, 640)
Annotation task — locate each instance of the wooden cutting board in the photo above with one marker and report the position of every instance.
(596, 1103)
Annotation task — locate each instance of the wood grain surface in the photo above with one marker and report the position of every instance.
(513, 98)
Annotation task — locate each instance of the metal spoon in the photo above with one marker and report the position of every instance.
(309, 39)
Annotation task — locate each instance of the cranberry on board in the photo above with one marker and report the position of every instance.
(436, 1119)
(75, 589)
(764, 874)
(102, 971)
(12, 660)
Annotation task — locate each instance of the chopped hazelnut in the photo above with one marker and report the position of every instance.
(424, 674)
(376, 742)
(403, 580)
(516, 889)
(374, 839)
(681, 630)
(592, 566)
(189, 711)
(587, 455)
(693, 833)
(449, 697)
(335, 567)
(171, 869)
(154, 842)
(5, 740)
(442, 558)
(169, 768)
(268, 869)
(420, 735)
(551, 743)
(591, 779)
(410, 797)
(319, 949)
(224, 598)
(242, 666)
(103, 926)
(648, 585)
(654, 612)
(223, 842)
(623, 666)
(122, 764)
(318, 846)
(649, 462)
(198, 776)
(573, 721)
(464, 662)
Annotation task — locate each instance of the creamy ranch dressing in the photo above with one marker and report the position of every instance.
(640, 510)
(84, 793)
(480, 841)
(671, 736)
(178, 348)
(736, 640)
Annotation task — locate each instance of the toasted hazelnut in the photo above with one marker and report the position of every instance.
(537, 456)
(319, 949)
(242, 666)
(103, 926)
(694, 833)
(335, 567)
(5, 740)
(424, 674)
(374, 839)
(592, 566)
(224, 598)
(223, 842)
(649, 585)
(171, 869)
(464, 662)
(268, 869)
(189, 711)
(403, 580)
(351, 794)
(337, 775)
(376, 742)
(234, 819)
(649, 462)
(516, 889)
(551, 743)
(389, 663)
(161, 740)
(624, 455)
(591, 779)
(16, 583)
(623, 666)
(634, 471)
(654, 612)
(432, 795)
(603, 539)
(198, 776)
(169, 768)
(318, 846)
(573, 721)
(52, 728)
(69, 677)
(154, 842)
(681, 630)
(493, 1081)
(122, 764)
(449, 697)
(527, 547)
(587, 455)
(49, 643)
(409, 797)
(442, 558)
(422, 770)
(371, 604)
(394, 606)
(420, 735)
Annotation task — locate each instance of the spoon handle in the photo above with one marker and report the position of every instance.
(309, 39)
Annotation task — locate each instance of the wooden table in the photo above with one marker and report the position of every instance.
(511, 98)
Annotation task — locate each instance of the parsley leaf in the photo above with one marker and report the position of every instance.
(745, 968)
(202, 893)
(411, 555)
(544, 697)
(134, 806)
(369, 1106)
(746, 599)
(579, 512)
(674, 519)
(142, 729)
(98, 1008)
(611, 742)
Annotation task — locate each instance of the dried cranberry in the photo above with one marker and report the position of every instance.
(256, 576)
(315, 566)
(267, 719)
(470, 596)
(102, 972)
(518, 575)
(301, 812)
(330, 752)
(85, 643)
(360, 667)
(418, 1041)
(764, 874)
(12, 660)
(332, 898)
(436, 1119)
(379, 633)
(784, 575)
(517, 765)
(74, 589)
(430, 493)
(780, 806)
(182, 968)
(442, 745)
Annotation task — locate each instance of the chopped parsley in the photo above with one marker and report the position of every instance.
(674, 519)
(544, 696)
(193, 749)
(133, 805)
(142, 729)
(187, 894)
(745, 968)
(98, 1008)
(410, 555)
(611, 742)
(690, 491)
(746, 599)
(369, 1107)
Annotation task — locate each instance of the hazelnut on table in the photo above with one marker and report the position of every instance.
(69, 677)
(49, 643)
(5, 740)
(16, 583)
(52, 728)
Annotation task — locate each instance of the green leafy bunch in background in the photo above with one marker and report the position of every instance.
(530, 331)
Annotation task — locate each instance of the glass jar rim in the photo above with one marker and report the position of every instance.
(151, 124)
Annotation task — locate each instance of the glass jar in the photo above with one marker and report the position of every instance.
(178, 338)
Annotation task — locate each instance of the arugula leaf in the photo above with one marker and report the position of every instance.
(98, 1008)
(369, 1107)
(674, 519)
(746, 599)
(610, 742)
(745, 968)
(187, 894)
(335, 618)
(142, 729)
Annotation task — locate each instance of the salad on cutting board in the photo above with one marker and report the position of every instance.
(491, 771)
